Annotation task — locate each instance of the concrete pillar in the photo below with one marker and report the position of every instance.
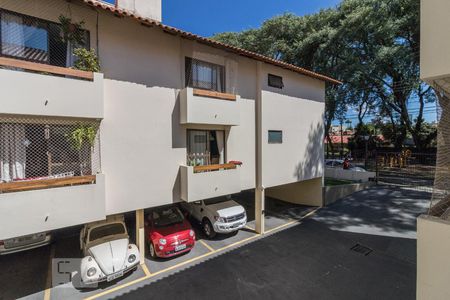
(259, 210)
(140, 234)
(259, 191)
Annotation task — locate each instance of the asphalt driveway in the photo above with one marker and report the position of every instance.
(362, 247)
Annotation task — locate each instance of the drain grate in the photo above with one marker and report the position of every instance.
(361, 249)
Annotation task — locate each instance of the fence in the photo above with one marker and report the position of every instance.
(407, 169)
(38, 148)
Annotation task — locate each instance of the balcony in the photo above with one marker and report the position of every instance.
(208, 107)
(204, 182)
(30, 88)
(45, 205)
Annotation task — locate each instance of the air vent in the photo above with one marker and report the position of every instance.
(361, 249)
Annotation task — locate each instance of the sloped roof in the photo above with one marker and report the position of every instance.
(210, 42)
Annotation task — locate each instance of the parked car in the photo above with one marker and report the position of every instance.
(25, 242)
(168, 232)
(217, 215)
(107, 250)
(339, 163)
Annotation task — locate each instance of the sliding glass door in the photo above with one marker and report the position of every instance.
(205, 147)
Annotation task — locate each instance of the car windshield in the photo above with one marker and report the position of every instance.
(106, 230)
(167, 216)
(215, 201)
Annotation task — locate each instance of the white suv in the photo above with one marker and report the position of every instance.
(217, 215)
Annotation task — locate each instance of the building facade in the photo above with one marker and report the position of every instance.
(169, 117)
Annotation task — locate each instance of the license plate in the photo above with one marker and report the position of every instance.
(180, 247)
(236, 225)
(114, 276)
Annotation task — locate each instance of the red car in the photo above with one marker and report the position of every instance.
(168, 232)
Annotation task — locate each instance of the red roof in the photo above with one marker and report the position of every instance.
(210, 42)
(336, 139)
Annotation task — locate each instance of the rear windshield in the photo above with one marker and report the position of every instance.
(167, 216)
(106, 230)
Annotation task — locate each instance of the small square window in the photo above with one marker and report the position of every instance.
(275, 136)
(275, 81)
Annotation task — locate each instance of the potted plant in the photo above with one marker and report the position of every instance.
(86, 60)
(79, 137)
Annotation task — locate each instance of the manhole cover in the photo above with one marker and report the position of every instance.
(361, 249)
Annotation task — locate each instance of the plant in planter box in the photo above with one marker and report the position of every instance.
(86, 60)
(79, 137)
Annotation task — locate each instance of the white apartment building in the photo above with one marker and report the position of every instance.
(168, 117)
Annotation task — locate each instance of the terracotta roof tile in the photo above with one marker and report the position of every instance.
(210, 42)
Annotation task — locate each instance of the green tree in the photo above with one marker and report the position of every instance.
(370, 45)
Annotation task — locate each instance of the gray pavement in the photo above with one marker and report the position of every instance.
(314, 260)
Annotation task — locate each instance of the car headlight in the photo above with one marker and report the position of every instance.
(220, 219)
(191, 233)
(162, 241)
(131, 258)
(91, 271)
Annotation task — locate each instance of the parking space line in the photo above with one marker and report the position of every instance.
(146, 270)
(48, 281)
(119, 287)
(150, 275)
(211, 249)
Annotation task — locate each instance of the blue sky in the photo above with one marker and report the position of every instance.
(207, 17)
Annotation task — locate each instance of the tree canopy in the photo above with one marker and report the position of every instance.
(370, 45)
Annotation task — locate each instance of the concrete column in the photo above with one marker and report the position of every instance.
(140, 234)
(259, 210)
(259, 191)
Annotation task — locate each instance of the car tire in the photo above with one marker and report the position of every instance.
(152, 251)
(208, 229)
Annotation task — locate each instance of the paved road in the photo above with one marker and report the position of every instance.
(314, 260)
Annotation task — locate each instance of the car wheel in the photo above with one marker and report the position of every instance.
(208, 229)
(152, 251)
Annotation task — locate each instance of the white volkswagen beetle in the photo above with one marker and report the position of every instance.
(107, 250)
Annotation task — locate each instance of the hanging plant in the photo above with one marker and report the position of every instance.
(72, 32)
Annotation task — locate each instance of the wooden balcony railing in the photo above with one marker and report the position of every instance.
(208, 168)
(213, 94)
(37, 67)
(28, 185)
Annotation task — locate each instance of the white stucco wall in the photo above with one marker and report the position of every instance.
(434, 44)
(23, 213)
(47, 95)
(297, 110)
(205, 185)
(433, 264)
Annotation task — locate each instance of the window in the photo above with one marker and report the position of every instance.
(33, 39)
(275, 136)
(205, 147)
(204, 75)
(108, 230)
(275, 81)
